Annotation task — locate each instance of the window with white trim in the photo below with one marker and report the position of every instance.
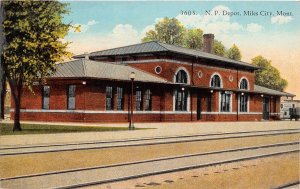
(225, 105)
(138, 100)
(71, 97)
(109, 98)
(148, 100)
(180, 100)
(181, 77)
(244, 103)
(120, 98)
(244, 84)
(215, 81)
(46, 97)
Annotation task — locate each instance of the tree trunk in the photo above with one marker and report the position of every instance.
(17, 125)
(2, 97)
(16, 91)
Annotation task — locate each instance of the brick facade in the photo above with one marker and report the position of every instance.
(91, 97)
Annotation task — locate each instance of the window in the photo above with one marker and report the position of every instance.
(120, 99)
(215, 81)
(71, 97)
(244, 84)
(225, 102)
(181, 77)
(139, 100)
(244, 103)
(180, 100)
(109, 98)
(158, 69)
(208, 103)
(46, 97)
(281, 105)
(148, 102)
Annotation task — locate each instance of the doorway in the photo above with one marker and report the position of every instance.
(266, 108)
(199, 108)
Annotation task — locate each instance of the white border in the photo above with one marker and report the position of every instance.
(126, 112)
(230, 108)
(157, 67)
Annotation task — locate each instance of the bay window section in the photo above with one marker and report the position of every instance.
(71, 94)
(225, 105)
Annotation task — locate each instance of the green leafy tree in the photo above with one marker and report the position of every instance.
(168, 30)
(193, 38)
(219, 48)
(268, 76)
(34, 31)
(234, 53)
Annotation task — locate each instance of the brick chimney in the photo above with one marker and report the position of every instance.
(208, 43)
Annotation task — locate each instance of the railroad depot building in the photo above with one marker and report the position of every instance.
(171, 83)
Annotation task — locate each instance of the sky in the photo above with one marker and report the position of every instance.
(270, 29)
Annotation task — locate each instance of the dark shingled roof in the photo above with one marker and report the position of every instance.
(264, 90)
(155, 47)
(92, 69)
(84, 68)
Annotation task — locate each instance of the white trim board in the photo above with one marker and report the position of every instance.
(135, 112)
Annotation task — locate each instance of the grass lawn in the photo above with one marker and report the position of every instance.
(6, 129)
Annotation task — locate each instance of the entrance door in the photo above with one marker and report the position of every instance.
(199, 108)
(266, 108)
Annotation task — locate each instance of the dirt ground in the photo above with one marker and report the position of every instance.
(45, 162)
(270, 172)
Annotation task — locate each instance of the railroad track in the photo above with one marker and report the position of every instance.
(111, 173)
(138, 142)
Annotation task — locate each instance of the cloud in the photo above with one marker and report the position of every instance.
(121, 35)
(252, 27)
(84, 27)
(281, 19)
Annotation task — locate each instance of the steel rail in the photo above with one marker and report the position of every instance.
(154, 160)
(152, 142)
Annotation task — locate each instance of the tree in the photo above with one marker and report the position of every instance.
(168, 30)
(234, 53)
(219, 48)
(2, 75)
(34, 31)
(268, 76)
(193, 38)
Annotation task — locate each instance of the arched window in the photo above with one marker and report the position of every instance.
(244, 84)
(215, 81)
(181, 77)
